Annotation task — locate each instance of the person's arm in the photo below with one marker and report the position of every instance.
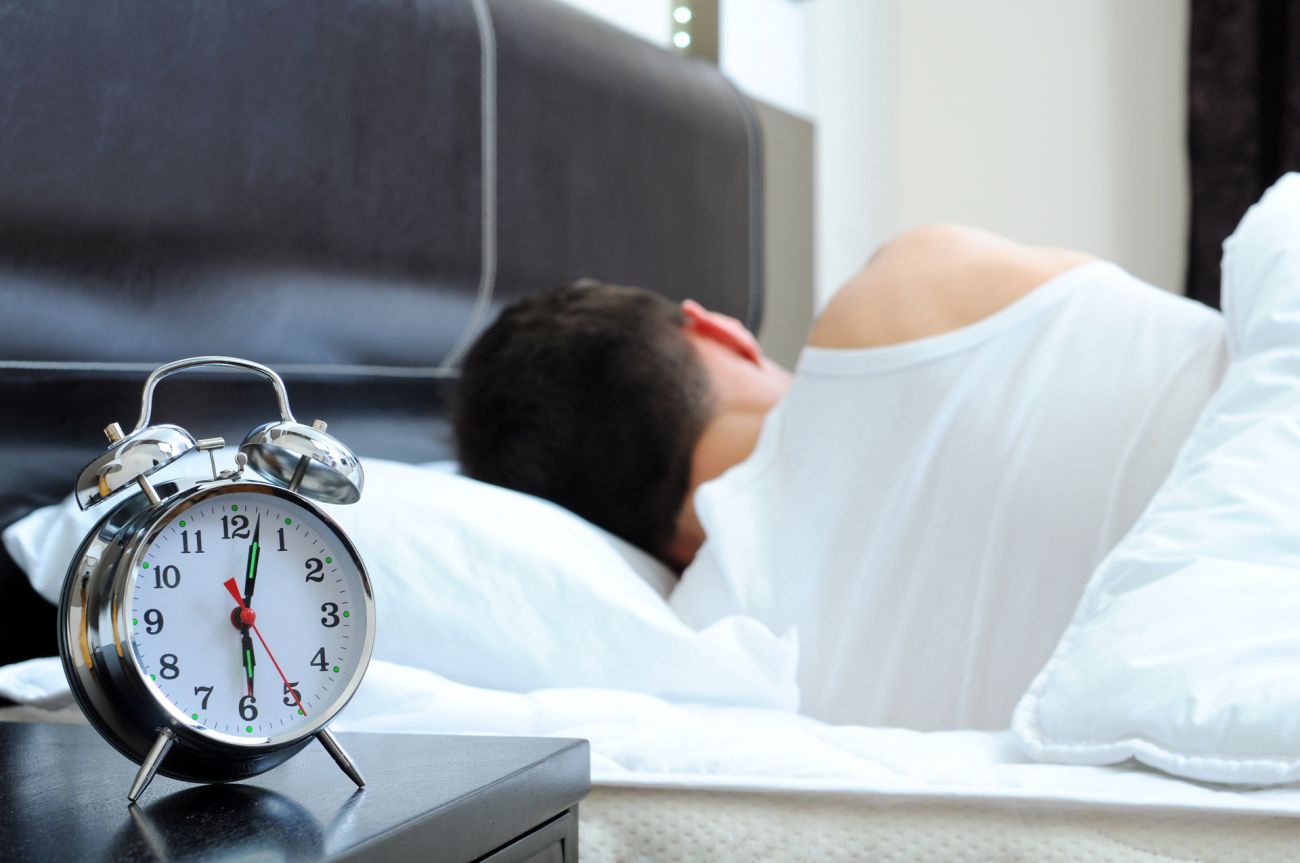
(931, 280)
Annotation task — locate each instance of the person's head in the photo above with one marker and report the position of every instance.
(606, 400)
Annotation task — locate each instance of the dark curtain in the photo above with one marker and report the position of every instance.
(1243, 119)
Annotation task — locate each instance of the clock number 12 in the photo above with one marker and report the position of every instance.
(235, 528)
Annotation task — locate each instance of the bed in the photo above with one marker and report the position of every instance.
(347, 192)
(679, 782)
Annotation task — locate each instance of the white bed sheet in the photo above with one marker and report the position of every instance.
(639, 741)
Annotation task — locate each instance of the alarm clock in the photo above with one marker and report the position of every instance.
(211, 628)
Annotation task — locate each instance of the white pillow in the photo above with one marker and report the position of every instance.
(506, 591)
(1184, 652)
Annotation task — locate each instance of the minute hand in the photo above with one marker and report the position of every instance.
(250, 571)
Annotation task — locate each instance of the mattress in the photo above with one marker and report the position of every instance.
(700, 782)
(623, 824)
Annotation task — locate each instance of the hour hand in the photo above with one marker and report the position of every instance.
(249, 662)
(250, 569)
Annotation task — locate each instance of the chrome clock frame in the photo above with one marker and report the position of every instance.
(298, 462)
(115, 693)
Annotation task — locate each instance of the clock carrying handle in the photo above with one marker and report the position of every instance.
(303, 459)
(146, 401)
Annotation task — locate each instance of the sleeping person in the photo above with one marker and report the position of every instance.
(972, 425)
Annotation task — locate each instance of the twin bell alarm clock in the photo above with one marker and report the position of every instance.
(211, 628)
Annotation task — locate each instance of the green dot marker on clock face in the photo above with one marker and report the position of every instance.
(234, 507)
(146, 564)
(336, 669)
(182, 522)
(329, 560)
(135, 621)
(194, 716)
(152, 677)
(347, 614)
(249, 729)
(288, 521)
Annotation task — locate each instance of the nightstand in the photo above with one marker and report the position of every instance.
(427, 797)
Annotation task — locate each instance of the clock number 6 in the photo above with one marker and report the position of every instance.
(248, 708)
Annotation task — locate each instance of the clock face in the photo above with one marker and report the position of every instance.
(249, 615)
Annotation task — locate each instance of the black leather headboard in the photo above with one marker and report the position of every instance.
(345, 190)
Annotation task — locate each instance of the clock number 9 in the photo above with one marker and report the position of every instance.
(314, 567)
(153, 619)
(170, 669)
(248, 708)
(331, 612)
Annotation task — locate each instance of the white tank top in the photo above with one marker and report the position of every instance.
(926, 514)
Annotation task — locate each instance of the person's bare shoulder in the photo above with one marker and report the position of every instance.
(931, 280)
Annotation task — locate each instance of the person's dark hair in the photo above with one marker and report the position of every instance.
(590, 396)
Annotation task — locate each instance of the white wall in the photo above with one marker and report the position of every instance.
(762, 43)
(764, 47)
(649, 19)
(854, 92)
(1053, 123)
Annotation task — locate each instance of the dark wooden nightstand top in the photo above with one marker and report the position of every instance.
(428, 797)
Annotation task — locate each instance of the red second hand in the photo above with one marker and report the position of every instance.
(234, 591)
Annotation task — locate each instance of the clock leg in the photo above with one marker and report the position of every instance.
(150, 765)
(340, 757)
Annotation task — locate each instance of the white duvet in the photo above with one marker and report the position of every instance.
(640, 740)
